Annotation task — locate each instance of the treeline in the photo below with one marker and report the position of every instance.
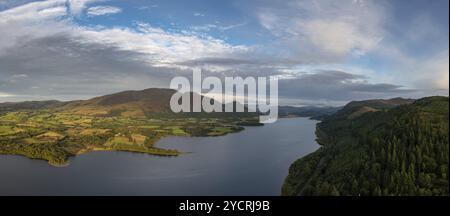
(403, 151)
(51, 152)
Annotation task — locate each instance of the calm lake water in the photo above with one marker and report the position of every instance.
(252, 162)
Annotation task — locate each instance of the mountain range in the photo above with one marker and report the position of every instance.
(373, 147)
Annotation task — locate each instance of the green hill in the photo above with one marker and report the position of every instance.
(126, 121)
(357, 108)
(126, 103)
(312, 112)
(398, 149)
(28, 105)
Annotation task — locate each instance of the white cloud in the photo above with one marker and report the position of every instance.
(156, 46)
(147, 7)
(19, 76)
(53, 12)
(197, 14)
(77, 6)
(159, 47)
(432, 73)
(68, 61)
(30, 21)
(269, 21)
(338, 38)
(209, 27)
(327, 30)
(103, 10)
(4, 95)
(5, 4)
(65, 58)
(39, 10)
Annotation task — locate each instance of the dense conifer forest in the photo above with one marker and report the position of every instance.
(392, 151)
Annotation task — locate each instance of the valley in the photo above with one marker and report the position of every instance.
(373, 147)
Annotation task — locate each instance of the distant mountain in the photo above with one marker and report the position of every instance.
(357, 108)
(351, 110)
(378, 147)
(141, 103)
(313, 112)
(127, 103)
(28, 105)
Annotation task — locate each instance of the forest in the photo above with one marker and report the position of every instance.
(390, 152)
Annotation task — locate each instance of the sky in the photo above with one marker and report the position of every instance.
(325, 52)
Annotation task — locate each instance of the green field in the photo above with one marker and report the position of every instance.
(56, 136)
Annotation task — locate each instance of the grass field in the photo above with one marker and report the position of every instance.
(56, 136)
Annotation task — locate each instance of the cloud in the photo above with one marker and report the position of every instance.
(338, 38)
(197, 14)
(103, 10)
(428, 73)
(325, 31)
(77, 6)
(147, 7)
(407, 47)
(312, 43)
(5, 4)
(337, 86)
(4, 95)
(209, 27)
(45, 10)
(433, 73)
(156, 46)
(60, 68)
(201, 62)
(159, 47)
(19, 76)
(64, 60)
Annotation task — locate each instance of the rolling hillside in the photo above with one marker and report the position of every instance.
(126, 121)
(313, 112)
(152, 102)
(28, 105)
(395, 149)
(127, 103)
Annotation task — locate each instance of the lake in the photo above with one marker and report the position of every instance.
(252, 162)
